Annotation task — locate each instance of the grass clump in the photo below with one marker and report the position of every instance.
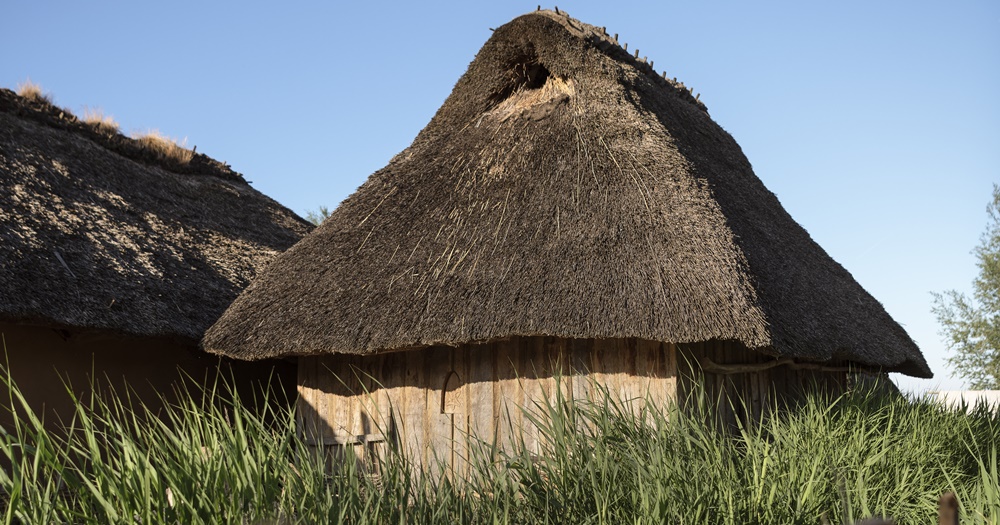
(96, 118)
(840, 459)
(33, 92)
(210, 459)
(163, 147)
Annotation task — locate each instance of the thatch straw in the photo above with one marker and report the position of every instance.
(564, 189)
(97, 234)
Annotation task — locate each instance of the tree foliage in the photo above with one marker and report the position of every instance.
(317, 216)
(972, 324)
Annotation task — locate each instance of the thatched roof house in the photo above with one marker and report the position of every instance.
(115, 253)
(565, 191)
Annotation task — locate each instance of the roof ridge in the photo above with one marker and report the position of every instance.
(600, 38)
(44, 112)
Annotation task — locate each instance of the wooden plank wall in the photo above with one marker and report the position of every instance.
(745, 397)
(427, 401)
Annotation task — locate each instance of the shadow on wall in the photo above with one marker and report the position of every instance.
(44, 362)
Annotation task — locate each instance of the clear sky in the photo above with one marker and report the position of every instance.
(876, 123)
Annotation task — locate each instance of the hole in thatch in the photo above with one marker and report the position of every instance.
(523, 72)
(531, 91)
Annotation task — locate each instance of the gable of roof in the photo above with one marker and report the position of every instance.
(563, 189)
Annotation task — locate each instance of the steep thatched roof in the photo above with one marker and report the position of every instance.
(99, 232)
(563, 189)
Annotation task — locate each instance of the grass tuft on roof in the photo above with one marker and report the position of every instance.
(33, 92)
(99, 121)
(151, 148)
(165, 147)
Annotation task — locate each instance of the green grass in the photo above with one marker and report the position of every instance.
(209, 459)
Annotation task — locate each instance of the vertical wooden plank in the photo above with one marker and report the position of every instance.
(717, 400)
(701, 386)
(629, 356)
(578, 363)
(634, 385)
(652, 375)
(334, 398)
(322, 396)
(713, 385)
(370, 418)
(599, 370)
(760, 395)
(559, 353)
(548, 386)
(643, 363)
(323, 424)
(547, 362)
(460, 416)
(742, 388)
(616, 369)
(671, 369)
(730, 394)
(437, 366)
(353, 394)
(730, 385)
(481, 361)
(779, 389)
(497, 396)
(304, 403)
(371, 373)
(552, 386)
(381, 372)
(683, 375)
(507, 393)
(530, 389)
(381, 386)
(755, 395)
(412, 403)
(328, 402)
(479, 397)
(307, 415)
(393, 384)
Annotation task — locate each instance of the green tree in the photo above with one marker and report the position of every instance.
(972, 324)
(317, 216)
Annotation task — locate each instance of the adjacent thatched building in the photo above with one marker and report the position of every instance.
(567, 209)
(115, 257)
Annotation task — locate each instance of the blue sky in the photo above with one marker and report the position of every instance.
(876, 123)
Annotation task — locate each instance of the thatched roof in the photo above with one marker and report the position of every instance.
(98, 232)
(563, 189)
